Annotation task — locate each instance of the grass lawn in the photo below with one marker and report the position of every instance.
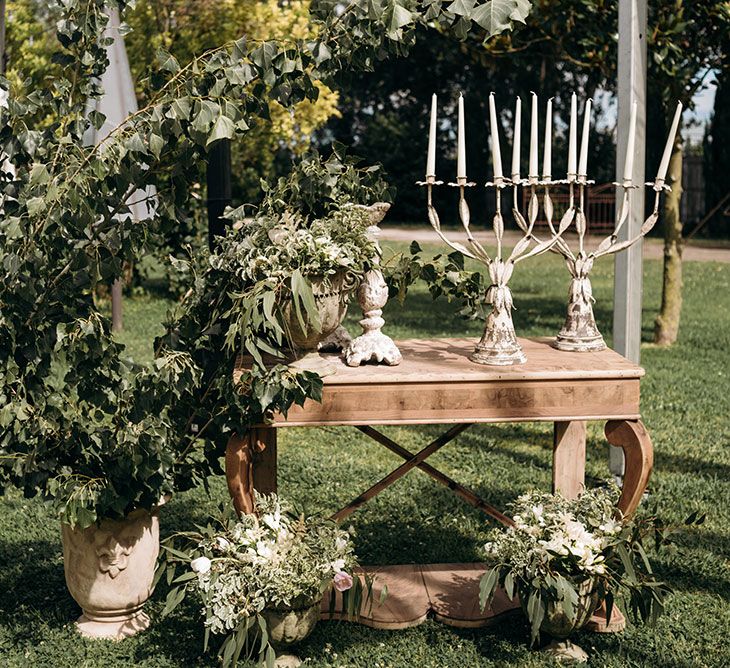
(686, 407)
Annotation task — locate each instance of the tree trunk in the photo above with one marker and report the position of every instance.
(666, 325)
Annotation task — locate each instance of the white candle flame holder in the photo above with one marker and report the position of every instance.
(498, 345)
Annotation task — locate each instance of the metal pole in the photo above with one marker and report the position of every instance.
(219, 188)
(628, 265)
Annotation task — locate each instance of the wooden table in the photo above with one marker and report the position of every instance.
(437, 384)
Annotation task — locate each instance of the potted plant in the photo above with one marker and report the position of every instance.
(261, 578)
(292, 276)
(116, 459)
(564, 557)
(292, 267)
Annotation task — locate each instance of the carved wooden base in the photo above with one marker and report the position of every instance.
(447, 593)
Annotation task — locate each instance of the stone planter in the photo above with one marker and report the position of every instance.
(332, 296)
(559, 627)
(109, 570)
(287, 628)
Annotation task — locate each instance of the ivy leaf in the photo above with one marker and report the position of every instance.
(399, 18)
(461, 7)
(35, 205)
(224, 128)
(156, 145)
(167, 62)
(496, 16)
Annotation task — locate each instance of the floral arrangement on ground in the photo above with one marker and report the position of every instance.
(563, 557)
(246, 570)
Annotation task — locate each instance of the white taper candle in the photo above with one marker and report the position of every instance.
(547, 155)
(431, 160)
(494, 131)
(583, 161)
(516, 138)
(630, 146)
(664, 164)
(461, 143)
(532, 171)
(573, 137)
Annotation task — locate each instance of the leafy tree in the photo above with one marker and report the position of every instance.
(686, 45)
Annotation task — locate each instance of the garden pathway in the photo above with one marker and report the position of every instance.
(653, 248)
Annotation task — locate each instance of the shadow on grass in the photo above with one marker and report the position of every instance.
(33, 594)
(675, 463)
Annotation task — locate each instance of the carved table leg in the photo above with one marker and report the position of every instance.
(251, 464)
(631, 436)
(569, 458)
(633, 439)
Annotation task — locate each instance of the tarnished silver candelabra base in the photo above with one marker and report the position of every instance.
(494, 353)
(498, 345)
(580, 333)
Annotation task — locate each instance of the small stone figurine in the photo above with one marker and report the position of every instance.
(372, 345)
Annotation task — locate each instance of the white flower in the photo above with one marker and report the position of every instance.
(610, 526)
(557, 544)
(341, 544)
(272, 521)
(338, 565)
(222, 543)
(537, 511)
(200, 565)
(265, 550)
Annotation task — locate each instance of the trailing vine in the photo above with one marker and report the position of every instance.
(78, 421)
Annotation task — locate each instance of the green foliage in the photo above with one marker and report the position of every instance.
(685, 400)
(444, 275)
(79, 423)
(316, 186)
(273, 559)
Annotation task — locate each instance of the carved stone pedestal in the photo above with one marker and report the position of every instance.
(109, 571)
(372, 345)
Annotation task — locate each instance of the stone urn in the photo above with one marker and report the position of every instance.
(559, 626)
(331, 295)
(287, 628)
(109, 570)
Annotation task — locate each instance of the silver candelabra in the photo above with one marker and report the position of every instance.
(499, 345)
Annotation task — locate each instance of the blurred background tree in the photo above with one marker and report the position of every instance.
(565, 45)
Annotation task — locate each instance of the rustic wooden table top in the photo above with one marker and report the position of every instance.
(446, 361)
(436, 383)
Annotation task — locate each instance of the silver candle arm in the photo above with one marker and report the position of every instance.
(498, 345)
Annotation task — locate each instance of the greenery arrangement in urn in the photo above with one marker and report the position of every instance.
(261, 577)
(291, 268)
(78, 422)
(564, 557)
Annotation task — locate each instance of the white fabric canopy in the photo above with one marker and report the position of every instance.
(117, 103)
